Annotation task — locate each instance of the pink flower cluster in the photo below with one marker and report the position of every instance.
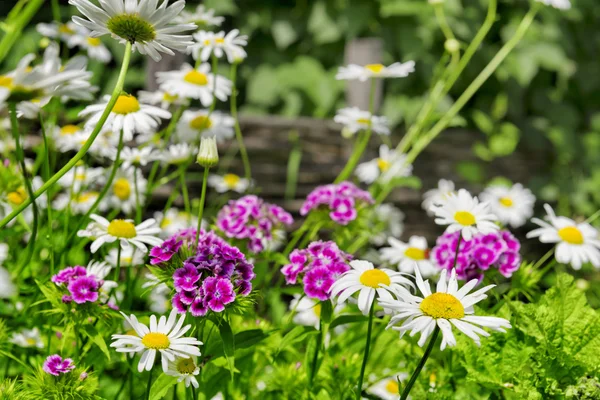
(83, 287)
(484, 251)
(321, 264)
(341, 199)
(251, 218)
(55, 365)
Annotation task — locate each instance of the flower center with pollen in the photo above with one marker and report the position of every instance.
(571, 235)
(169, 97)
(64, 28)
(383, 165)
(392, 387)
(231, 180)
(126, 104)
(364, 121)
(17, 197)
(156, 341)
(506, 201)
(374, 277)
(186, 366)
(375, 68)
(6, 81)
(131, 28)
(442, 305)
(68, 130)
(94, 42)
(122, 189)
(464, 218)
(200, 123)
(122, 229)
(414, 253)
(196, 78)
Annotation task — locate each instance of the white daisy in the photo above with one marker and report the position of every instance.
(144, 23)
(69, 137)
(163, 336)
(123, 230)
(160, 294)
(133, 156)
(368, 281)
(448, 306)
(578, 243)
(177, 154)
(128, 114)
(407, 255)
(228, 182)
(437, 195)
(560, 4)
(3, 252)
(28, 338)
(390, 164)
(354, 119)
(95, 48)
(512, 205)
(196, 124)
(193, 83)
(388, 220)
(396, 70)
(185, 370)
(7, 288)
(174, 220)
(207, 43)
(81, 176)
(81, 202)
(201, 17)
(388, 389)
(463, 212)
(122, 194)
(131, 257)
(67, 32)
(161, 98)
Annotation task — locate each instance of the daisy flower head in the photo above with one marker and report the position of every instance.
(7, 288)
(448, 306)
(134, 156)
(173, 221)
(122, 194)
(56, 365)
(69, 137)
(162, 336)
(81, 177)
(387, 388)
(80, 202)
(28, 338)
(354, 120)
(144, 23)
(201, 16)
(463, 212)
(161, 98)
(128, 115)
(437, 195)
(368, 281)
(559, 4)
(407, 255)
(230, 44)
(512, 205)
(125, 231)
(67, 32)
(390, 164)
(195, 83)
(3, 252)
(130, 257)
(94, 47)
(228, 182)
(201, 123)
(577, 243)
(185, 370)
(177, 154)
(363, 73)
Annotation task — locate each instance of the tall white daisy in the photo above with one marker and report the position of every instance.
(195, 83)
(160, 97)
(512, 205)
(219, 44)
(195, 124)
(177, 154)
(28, 338)
(162, 336)
(437, 195)
(123, 230)
(201, 16)
(396, 70)
(80, 202)
(148, 26)
(577, 243)
(368, 281)
(448, 306)
(228, 182)
(185, 370)
(122, 194)
(7, 288)
(354, 120)
(131, 257)
(81, 176)
(67, 32)
(133, 156)
(463, 212)
(174, 220)
(407, 255)
(94, 47)
(387, 388)
(390, 164)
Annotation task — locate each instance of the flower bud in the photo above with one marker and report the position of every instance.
(452, 45)
(208, 156)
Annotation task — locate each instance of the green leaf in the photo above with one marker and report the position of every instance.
(298, 334)
(228, 343)
(323, 28)
(284, 34)
(348, 319)
(161, 386)
(91, 332)
(505, 141)
(326, 311)
(483, 122)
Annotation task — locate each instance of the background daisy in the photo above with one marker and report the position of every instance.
(512, 205)
(408, 255)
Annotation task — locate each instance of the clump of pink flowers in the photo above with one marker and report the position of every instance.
(320, 265)
(83, 287)
(56, 365)
(498, 250)
(207, 278)
(251, 218)
(341, 199)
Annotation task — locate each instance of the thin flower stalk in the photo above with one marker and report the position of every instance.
(366, 354)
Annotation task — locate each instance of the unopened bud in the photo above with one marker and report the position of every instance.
(208, 156)
(452, 45)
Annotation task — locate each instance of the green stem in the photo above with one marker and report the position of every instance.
(542, 260)
(315, 359)
(366, 354)
(149, 385)
(184, 192)
(238, 131)
(593, 217)
(201, 206)
(138, 208)
(457, 248)
(115, 95)
(415, 374)
(56, 11)
(17, 19)
(46, 176)
(117, 273)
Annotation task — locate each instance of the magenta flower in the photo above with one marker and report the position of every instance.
(217, 293)
(84, 289)
(55, 365)
(185, 278)
(165, 251)
(341, 200)
(68, 274)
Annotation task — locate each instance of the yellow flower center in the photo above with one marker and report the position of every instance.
(219, 40)
(383, 165)
(442, 305)
(122, 189)
(165, 222)
(570, 234)
(317, 310)
(126, 260)
(231, 180)
(414, 253)
(68, 130)
(169, 97)
(131, 332)
(85, 197)
(95, 42)
(207, 42)
(126, 104)
(464, 218)
(201, 123)
(364, 121)
(185, 366)
(131, 27)
(392, 387)
(121, 229)
(156, 341)
(6, 81)
(374, 277)
(17, 197)
(63, 28)
(30, 341)
(506, 201)
(375, 68)
(196, 78)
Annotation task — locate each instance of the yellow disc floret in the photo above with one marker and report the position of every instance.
(571, 235)
(231, 180)
(375, 68)
(156, 341)
(383, 165)
(94, 42)
(506, 201)
(17, 197)
(121, 229)
(374, 277)
(196, 78)
(392, 387)
(185, 366)
(122, 189)
(415, 254)
(201, 123)
(442, 305)
(464, 218)
(126, 104)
